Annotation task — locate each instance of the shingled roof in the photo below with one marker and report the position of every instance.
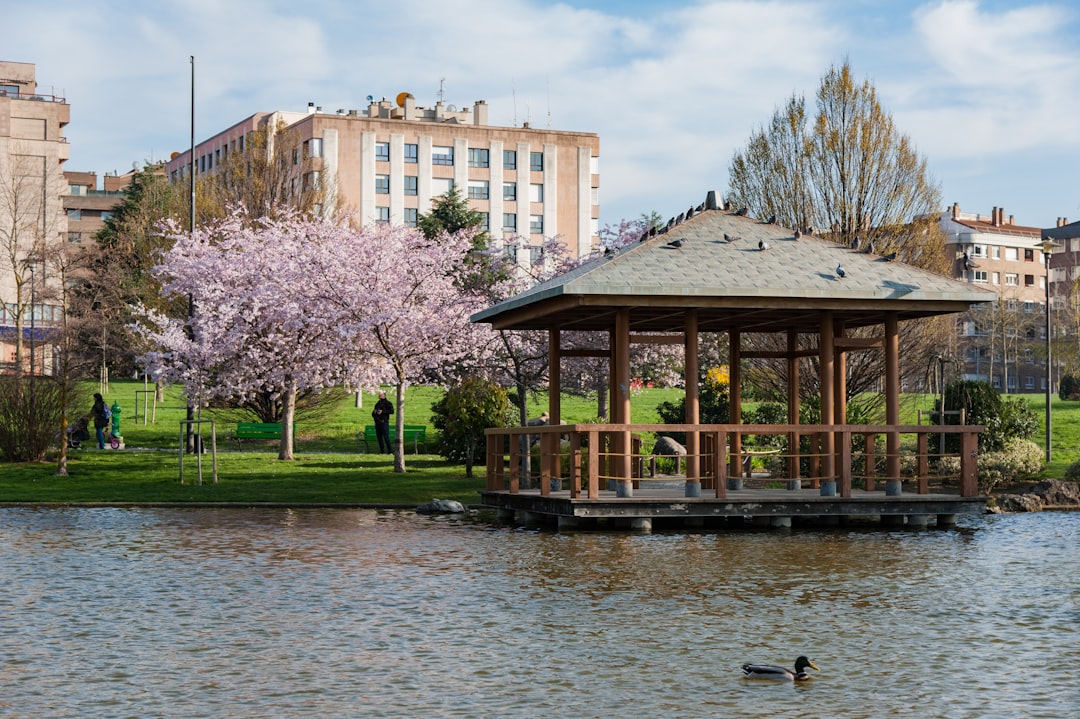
(733, 285)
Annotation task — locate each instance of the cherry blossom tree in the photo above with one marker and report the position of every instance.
(257, 325)
(394, 293)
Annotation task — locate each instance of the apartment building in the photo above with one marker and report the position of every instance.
(388, 161)
(89, 203)
(33, 150)
(1002, 344)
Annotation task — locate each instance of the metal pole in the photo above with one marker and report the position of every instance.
(1049, 365)
(189, 441)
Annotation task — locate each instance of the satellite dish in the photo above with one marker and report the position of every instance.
(451, 108)
(402, 97)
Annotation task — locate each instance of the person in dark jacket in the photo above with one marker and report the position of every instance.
(381, 414)
(101, 414)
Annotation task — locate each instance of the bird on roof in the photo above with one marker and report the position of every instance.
(810, 230)
(798, 233)
(675, 243)
(869, 248)
(644, 236)
(769, 671)
(728, 238)
(840, 271)
(969, 264)
(890, 257)
(742, 211)
(700, 208)
(609, 251)
(772, 219)
(855, 242)
(762, 245)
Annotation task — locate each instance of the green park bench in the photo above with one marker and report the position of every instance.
(415, 433)
(257, 430)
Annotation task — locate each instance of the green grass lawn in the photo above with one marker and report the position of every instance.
(328, 468)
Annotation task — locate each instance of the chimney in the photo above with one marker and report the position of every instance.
(1012, 218)
(480, 113)
(1062, 221)
(311, 108)
(956, 210)
(995, 217)
(710, 200)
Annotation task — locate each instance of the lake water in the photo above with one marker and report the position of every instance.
(357, 613)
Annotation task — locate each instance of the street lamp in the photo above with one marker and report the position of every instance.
(1048, 246)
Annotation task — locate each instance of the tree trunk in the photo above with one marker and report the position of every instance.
(399, 440)
(287, 418)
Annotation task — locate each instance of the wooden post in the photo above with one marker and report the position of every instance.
(969, 464)
(794, 465)
(515, 464)
(827, 360)
(892, 396)
(721, 465)
(693, 402)
(845, 463)
(735, 398)
(594, 464)
(870, 459)
(622, 375)
(575, 465)
(554, 377)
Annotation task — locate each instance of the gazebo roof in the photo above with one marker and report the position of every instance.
(733, 284)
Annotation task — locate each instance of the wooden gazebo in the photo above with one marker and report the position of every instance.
(713, 270)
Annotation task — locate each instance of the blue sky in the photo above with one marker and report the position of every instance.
(988, 91)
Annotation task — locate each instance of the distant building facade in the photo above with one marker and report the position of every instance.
(1002, 344)
(387, 162)
(89, 204)
(33, 150)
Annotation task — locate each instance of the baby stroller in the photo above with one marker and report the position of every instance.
(78, 433)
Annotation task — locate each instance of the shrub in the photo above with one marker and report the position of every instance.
(1069, 387)
(984, 405)
(462, 415)
(31, 411)
(1020, 459)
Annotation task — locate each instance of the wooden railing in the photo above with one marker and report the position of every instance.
(585, 455)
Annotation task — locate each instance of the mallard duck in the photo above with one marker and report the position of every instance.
(768, 671)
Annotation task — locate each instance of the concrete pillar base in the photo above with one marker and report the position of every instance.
(734, 483)
(894, 488)
(624, 489)
(533, 518)
(918, 521)
(828, 489)
(567, 523)
(693, 488)
(641, 524)
(946, 520)
(794, 485)
(780, 522)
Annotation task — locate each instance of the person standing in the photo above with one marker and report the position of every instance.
(381, 414)
(101, 414)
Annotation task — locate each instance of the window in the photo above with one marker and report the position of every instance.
(442, 155)
(979, 276)
(1011, 254)
(440, 186)
(77, 190)
(478, 157)
(996, 251)
(536, 224)
(106, 215)
(412, 153)
(1029, 306)
(1029, 255)
(536, 193)
(1029, 280)
(485, 221)
(1029, 382)
(1011, 279)
(74, 237)
(382, 214)
(411, 216)
(410, 184)
(74, 214)
(382, 152)
(382, 184)
(978, 251)
(509, 222)
(509, 159)
(995, 278)
(313, 147)
(509, 191)
(478, 189)
(536, 161)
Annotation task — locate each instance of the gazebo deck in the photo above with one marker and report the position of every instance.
(664, 504)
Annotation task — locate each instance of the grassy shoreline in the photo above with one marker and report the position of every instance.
(329, 469)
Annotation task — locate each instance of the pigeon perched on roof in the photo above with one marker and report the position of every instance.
(728, 238)
(675, 243)
(762, 245)
(855, 242)
(810, 230)
(840, 271)
(869, 248)
(798, 233)
(890, 257)
(772, 219)
(742, 211)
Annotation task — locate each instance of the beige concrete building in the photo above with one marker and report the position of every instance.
(33, 150)
(1002, 344)
(89, 203)
(386, 162)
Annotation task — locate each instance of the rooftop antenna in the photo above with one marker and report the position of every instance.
(513, 93)
(547, 86)
(441, 94)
